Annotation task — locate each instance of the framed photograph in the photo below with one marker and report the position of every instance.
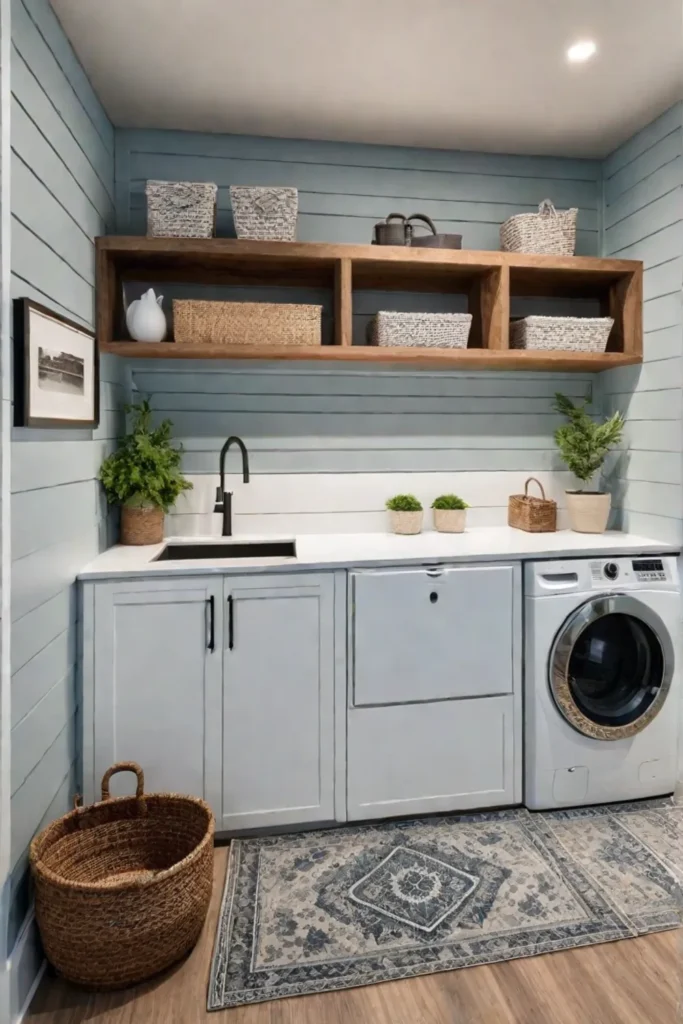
(56, 370)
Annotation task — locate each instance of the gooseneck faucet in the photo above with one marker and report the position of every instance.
(223, 497)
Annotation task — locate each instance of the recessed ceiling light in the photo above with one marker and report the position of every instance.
(581, 51)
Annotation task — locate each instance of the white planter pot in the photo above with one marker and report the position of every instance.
(588, 511)
(450, 520)
(406, 522)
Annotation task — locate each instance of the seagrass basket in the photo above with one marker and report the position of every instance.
(534, 515)
(200, 322)
(122, 887)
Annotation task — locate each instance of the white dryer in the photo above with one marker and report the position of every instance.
(602, 680)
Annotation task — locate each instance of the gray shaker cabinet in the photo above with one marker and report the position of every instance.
(278, 700)
(152, 684)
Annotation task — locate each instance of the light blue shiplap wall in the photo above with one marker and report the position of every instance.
(643, 219)
(62, 196)
(355, 419)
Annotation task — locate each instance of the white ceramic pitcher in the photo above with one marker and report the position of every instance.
(145, 318)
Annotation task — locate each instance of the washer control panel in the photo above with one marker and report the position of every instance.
(647, 570)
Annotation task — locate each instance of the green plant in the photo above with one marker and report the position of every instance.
(144, 471)
(583, 443)
(404, 503)
(450, 502)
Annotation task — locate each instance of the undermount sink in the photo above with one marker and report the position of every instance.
(228, 549)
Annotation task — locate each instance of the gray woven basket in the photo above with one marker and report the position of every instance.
(265, 214)
(566, 333)
(545, 232)
(181, 209)
(421, 330)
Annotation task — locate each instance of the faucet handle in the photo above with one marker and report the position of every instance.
(218, 507)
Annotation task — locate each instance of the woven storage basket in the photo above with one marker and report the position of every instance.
(265, 214)
(122, 887)
(544, 232)
(142, 525)
(245, 323)
(181, 209)
(421, 330)
(566, 333)
(534, 515)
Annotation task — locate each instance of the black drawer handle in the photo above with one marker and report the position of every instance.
(433, 597)
(231, 623)
(212, 623)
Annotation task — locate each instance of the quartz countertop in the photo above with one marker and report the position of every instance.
(345, 550)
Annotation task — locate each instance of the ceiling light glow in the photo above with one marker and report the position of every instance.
(581, 51)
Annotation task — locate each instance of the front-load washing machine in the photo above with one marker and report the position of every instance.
(602, 680)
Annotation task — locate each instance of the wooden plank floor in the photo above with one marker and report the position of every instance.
(637, 981)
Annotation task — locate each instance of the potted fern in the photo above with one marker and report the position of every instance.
(405, 513)
(450, 513)
(143, 477)
(584, 445)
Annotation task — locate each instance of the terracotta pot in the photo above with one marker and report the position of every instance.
(406, 522)
(588, 511)
(142, 525)
(450, 520)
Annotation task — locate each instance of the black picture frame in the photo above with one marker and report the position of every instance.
(24, 415)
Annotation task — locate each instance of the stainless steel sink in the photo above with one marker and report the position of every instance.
(228, 549)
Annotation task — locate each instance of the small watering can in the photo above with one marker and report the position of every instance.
(398, 230)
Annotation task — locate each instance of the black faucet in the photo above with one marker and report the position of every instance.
(223, 497)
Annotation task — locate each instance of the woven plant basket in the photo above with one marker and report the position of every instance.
(122, 887)
(421, 330)
(564, 333)
(547, 231)
(534, 515)
(265, 214)
(142, 525)
(245, 323)
(181, 209)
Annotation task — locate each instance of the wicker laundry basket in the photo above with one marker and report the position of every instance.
(421, 330)
(534, 515)
(547, 231)
(564, 333)
(123, 887)
(245, 323)
(181, 209)
(265, 214)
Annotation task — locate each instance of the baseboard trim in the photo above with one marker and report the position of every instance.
(25, 968)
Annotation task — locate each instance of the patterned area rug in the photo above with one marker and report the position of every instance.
(353, 906)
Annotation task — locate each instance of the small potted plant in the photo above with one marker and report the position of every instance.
(405, 512)
(584, 445)
(450, 513)
(142, 476)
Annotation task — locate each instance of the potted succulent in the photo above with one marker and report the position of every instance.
(142, 476)
(584, 445)
(405, 512)
(450, 513)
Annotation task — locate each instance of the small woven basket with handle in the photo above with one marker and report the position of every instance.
(123, 887)
(534, 515)
(548, 231)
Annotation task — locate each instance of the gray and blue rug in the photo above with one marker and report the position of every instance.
(352, 906)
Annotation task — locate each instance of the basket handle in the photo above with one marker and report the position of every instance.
(547, 209)
(124, 766)
(532, 479)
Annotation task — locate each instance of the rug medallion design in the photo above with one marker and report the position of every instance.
(326, 910)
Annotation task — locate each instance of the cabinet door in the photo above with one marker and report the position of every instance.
(157, 684)
(425, 758)
(431, 634)
(278, 738)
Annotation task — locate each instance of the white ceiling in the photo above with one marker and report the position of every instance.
(466, 74)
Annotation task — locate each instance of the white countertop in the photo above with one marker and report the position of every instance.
(325, 551)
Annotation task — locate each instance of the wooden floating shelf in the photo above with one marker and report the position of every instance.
(489, 280)
(465, 359)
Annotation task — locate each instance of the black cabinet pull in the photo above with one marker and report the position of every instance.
(433, 597)
(212, 623)
(231, 623)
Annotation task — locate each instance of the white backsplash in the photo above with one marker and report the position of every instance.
(284, 505)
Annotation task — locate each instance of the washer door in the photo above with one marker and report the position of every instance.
(611, 667)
